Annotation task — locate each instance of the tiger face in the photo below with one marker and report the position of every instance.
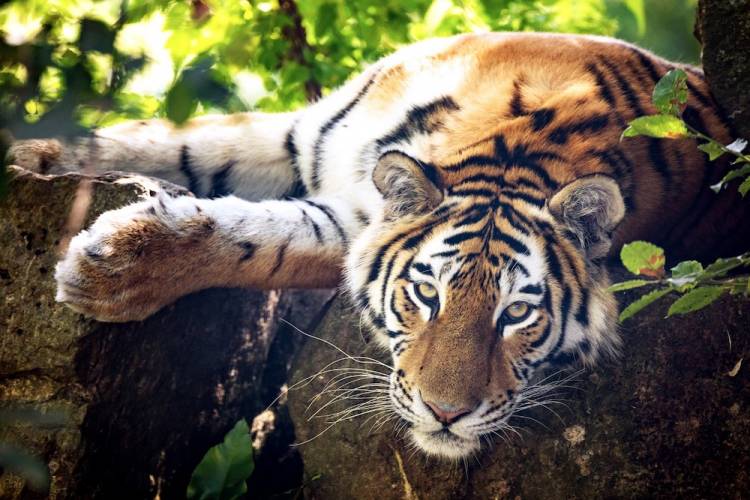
(475, 291)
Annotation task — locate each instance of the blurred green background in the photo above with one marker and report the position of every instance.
(69, 65)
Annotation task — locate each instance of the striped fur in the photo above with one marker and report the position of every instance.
(511, 166)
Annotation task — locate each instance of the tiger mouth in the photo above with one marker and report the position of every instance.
(445, 443)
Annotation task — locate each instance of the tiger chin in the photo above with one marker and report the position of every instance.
(466, 191)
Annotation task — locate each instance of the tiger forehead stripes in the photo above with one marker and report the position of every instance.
(468, 191)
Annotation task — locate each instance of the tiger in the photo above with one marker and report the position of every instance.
(467, 193)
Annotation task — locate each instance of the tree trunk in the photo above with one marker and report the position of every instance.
(723, 28)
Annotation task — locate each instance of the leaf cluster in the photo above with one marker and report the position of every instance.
(698, 286)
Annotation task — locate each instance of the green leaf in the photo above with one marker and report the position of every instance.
(181, 102)
(225, 467)
(642, 302)
(687, 268)
(722, 266)
(695, 299)
(671, 92)
(628, 285)
(744, 187)
(641, 257)
(659, 126)
(712, 148)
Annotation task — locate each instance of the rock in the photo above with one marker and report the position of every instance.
(142, 401)
(669, 419)
(723, 28)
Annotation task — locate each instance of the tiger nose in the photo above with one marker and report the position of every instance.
(446, 413)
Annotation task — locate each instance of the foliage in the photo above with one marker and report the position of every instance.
(699, 286)
(70, 65)
(222, 472)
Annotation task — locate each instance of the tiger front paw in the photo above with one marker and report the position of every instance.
(130, 263)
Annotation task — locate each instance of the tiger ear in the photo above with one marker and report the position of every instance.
(591, 208)
(408, 188)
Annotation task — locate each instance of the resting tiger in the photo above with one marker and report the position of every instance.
(467, 192)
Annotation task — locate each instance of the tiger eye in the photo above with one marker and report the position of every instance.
(517, 311)
(426, 291)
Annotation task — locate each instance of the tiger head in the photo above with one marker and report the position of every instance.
(476, 287)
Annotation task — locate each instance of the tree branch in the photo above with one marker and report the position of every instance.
(295, 33)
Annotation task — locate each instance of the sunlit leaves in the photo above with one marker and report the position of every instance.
(699, 286)
(642, 302)
(658, 126)
(641, 257)
(671, 92)
(695, 299)
(629, 285)
(712, 149)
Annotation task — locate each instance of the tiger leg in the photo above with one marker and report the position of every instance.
(135, 260)
(246, 154)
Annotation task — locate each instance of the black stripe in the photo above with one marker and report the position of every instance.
(648, 64)
(280, 256)
(594, 123)
(473, 161)
(542, 338)
(249, 249)
(520, 158)
(705, 100)
(327, 127)
(656, 154)
(461, 237)
(630, 95)
(516, 101)
(418, 121)
(487, 193)
(447, 253)
(309, 220)
(535, 289)
(553, 264)
(616, 160)
(582, 315)
(564, 311)
(541, 118)
(394, 311)
(481, 177)
(472, 218)
(220, 181)
(187, 170)
(528, 198)
(604, 91)
(514, 264)
(331, 216)
(692, 117)
(423, 268)
(516, 245)
(298, 189)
